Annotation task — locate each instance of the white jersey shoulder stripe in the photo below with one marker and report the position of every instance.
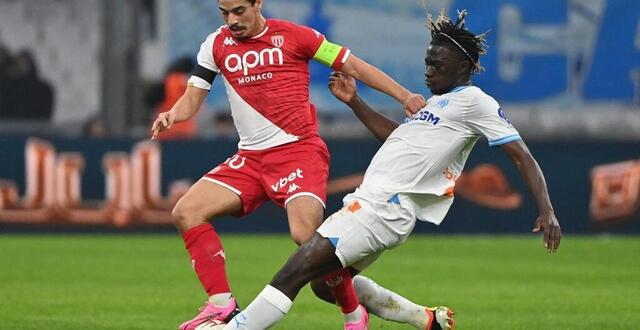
(205, 55)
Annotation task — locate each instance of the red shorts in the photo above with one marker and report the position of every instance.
(280, 173)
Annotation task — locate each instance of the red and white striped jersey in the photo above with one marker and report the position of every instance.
(267, 80)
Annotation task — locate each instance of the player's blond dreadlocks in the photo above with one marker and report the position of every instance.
(443, 30)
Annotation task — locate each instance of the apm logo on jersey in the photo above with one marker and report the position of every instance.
(253, 59)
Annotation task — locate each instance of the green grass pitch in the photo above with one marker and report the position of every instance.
(492, 282)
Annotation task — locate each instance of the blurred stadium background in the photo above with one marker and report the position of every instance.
(80, 81)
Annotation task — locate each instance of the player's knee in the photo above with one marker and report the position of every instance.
(302, 232)
(322, 290)
(185, 216)
(301, 235)
(297, 272)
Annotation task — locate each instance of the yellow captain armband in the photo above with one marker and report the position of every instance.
(327, 53)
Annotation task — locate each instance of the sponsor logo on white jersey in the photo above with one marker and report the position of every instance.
(282, 182)
(228, 41)
(252, 59)
(426, 116)
(503, 116)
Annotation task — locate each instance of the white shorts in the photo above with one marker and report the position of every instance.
(361, 230)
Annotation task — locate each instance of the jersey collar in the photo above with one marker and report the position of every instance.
(266, 28)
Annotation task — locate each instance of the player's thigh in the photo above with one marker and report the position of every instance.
(240, 174)
(305, 214)
(204, 200)
(358, 234)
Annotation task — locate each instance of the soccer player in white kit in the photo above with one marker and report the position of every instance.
(264, 65)
(412, 177)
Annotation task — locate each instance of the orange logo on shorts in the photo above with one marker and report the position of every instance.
(354, 207)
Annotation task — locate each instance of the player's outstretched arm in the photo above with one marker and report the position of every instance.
(534, 179)
(344, 88)
(374, 78)
(185, 108)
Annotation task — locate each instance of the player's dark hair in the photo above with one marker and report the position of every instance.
(252, 2)
(445, 31)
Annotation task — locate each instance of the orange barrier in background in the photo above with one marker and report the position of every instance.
(616, 191)
(53, 188)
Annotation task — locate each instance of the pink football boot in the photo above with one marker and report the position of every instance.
(209, 312)
(360, 325)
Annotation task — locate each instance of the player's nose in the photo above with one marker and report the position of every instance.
(428, 72)
(232, 20)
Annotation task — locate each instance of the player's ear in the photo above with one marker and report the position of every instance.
(465, 67)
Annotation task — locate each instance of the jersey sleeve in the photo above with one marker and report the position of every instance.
(314, 45)
(487, 119)
(206, 69)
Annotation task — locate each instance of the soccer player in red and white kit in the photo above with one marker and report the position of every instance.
(264, 66)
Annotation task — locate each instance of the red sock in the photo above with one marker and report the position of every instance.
(207, 258)
(341, 284)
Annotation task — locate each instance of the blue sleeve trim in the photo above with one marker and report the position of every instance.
(504, 140)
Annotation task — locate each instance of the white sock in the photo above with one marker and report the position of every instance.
(389, 305)
(269, 307)
(221, 299)
(354, 316)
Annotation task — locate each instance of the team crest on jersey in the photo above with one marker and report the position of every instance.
(443, 103)
(277, 40)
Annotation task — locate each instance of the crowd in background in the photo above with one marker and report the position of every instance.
(24, 95)
(162, 95)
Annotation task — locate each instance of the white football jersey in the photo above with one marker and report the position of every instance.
(422, 158)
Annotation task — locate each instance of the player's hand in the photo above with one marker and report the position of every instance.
(163, 122)
(413, 103)
(552, 233)
(342, 86)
